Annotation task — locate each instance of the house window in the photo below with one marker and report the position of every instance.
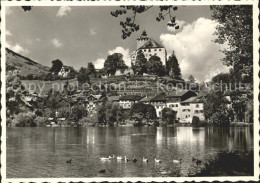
(149, 50)
(197, 105)
(150, 54)
(160, 49)
(155, 49)
(144, 50)
(176, 105)
(155, 54)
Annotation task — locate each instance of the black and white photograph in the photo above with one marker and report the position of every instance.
(129, 91)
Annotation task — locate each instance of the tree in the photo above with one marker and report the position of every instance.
(113, 63)
(221, 78)
(195, 121)
(78, 113)
(239, 105)
(236, 29)
(53, 99)
(111, 113)
(168, 116)
(56, 66)
(154, 66)
(72, 74)
(91, 69)
(129, 26)
(140, 111)
(216, 108)
(191, 79)
(101, 114)
(173, 67)
(140, 64)
(83, 76)
(150, 112)
(14, 100)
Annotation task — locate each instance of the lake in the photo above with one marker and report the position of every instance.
(43, 152)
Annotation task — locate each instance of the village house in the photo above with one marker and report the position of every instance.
(64, 71)
(127, 101)
(159, 102)
(92, 102)
(190, 108)
(149, 48)
(184, 102)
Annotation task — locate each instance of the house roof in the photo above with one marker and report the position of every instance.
(193, 100)
(160, 97)
(113, 98)
(177, 93)
(173, 100)
(146, 99)
(131, 97)
(151, 44)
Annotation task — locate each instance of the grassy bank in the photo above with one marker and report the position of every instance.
(229, 163)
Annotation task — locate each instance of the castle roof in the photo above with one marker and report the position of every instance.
(151, 44)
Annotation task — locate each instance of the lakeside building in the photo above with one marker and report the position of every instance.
(149, 47)
(185, 103)
(127, 101)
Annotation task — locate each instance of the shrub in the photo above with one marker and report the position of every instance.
(220, 119)
(195, 121)
(25, 120)
(88, 120)
(229, 163)
(38, 113)
(41, 121)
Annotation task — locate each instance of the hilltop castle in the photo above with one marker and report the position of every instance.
(149, 47)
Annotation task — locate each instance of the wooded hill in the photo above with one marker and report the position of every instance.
(24, 66)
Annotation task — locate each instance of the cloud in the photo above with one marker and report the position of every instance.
(179, 23)
(8, 33)
(57, 43)
(92, 32)
(197, 53)
(17, 48)
(63, 11)
(99, 63)
(124, 52)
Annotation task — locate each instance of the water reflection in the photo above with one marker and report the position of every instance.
(42, 152)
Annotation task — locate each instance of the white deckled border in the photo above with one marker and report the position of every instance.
(5, 3)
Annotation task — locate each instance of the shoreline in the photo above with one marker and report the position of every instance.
(236, 124)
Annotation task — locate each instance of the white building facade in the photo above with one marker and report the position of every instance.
(149, 48)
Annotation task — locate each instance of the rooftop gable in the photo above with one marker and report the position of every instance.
(179, 93)
(151, 44)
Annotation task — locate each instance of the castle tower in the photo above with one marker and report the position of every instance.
(142, 39)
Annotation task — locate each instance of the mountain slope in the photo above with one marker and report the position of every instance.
(23, 65)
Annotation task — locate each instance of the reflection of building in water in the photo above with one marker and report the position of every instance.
(166, 136)
(192, 139)
(90, 137)
(159, 136)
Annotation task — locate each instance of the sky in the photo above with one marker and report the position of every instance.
(79, 35)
